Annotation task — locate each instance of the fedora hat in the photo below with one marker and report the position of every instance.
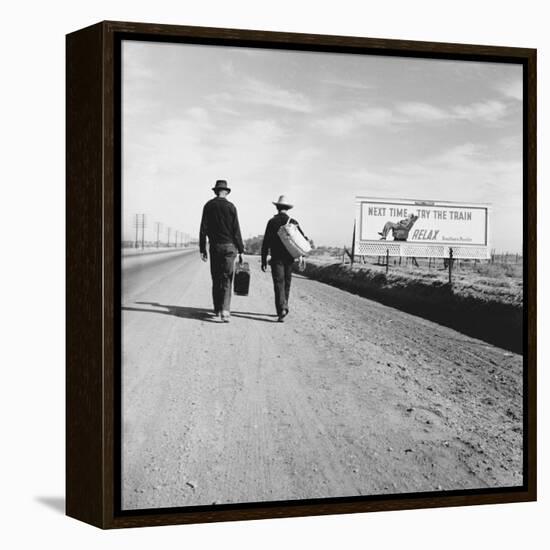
(283, 201)
(221, 185)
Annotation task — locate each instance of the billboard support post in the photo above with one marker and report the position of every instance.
(450, 266)
(353, 245)
(387, 260)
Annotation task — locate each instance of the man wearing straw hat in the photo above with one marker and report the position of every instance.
(281, 260)
(220, 224)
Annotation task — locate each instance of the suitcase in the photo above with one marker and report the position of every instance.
(241, 281)
(296, 244)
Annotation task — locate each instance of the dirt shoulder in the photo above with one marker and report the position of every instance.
(486, 308)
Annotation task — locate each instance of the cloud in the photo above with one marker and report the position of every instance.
(343, 124)
(512, 89)
(347, 84)
(483, 111)
(462, 161)
(228, 68)
(458, 155)
(250, 144)
(488, 111)
(463, 172)
(421, 112)
(257, 92)
(135, 66)
(194, 143)
(220, 97)
(198, 115)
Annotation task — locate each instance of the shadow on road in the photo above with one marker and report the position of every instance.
(198, 313)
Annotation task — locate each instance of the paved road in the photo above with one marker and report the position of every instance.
(347, 397)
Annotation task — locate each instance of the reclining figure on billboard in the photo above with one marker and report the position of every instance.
(400, 229)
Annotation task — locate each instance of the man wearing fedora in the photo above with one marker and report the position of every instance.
(220, 224)
(281, 261)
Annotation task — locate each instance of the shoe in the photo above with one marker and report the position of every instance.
(281, 319)
(284, 313)
(225, 315)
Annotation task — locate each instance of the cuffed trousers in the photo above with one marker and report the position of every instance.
(222, 265)
(281, 273)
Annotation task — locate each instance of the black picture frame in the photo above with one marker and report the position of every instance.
(93, 168)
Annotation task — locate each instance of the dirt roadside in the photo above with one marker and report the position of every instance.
(348, 397)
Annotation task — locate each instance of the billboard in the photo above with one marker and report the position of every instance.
(423, 222)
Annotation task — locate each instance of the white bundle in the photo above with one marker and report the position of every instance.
(295, 243)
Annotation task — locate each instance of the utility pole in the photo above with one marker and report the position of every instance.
(139, 223)
(168, 244)
(158, 224)
(142, 231)
(136, 224)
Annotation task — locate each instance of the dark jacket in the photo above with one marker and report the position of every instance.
(220, 224)
(273, 244)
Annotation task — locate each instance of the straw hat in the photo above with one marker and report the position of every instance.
(283, 201)
(221, 185)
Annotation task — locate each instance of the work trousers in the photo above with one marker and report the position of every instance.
(281, 272)
(222, 265)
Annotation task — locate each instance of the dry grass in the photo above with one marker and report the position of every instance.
(483, 280)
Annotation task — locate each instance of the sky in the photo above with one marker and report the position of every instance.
(320, 128)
